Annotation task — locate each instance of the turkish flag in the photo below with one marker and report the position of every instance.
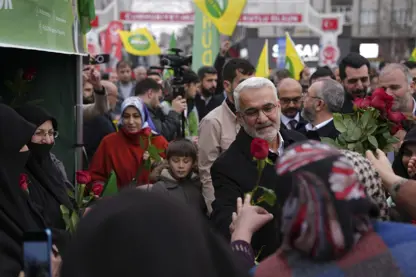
(329, 24)
(94, 23)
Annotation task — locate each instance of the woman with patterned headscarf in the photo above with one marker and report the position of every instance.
(328, 222)
(122, 151)
(371, 181)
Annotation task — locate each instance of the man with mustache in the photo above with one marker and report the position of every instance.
(355, 77)
(234, 173)
(290, 95)
(206, 100)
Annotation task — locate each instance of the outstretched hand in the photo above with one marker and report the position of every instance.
(248, 219)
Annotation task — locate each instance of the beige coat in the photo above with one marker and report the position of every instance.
(217, 131)
(99, 107)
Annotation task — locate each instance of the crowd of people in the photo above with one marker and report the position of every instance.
(190, 210)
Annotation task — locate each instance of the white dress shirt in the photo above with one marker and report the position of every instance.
(309, 126)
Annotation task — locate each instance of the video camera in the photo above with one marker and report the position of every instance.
(177, 63)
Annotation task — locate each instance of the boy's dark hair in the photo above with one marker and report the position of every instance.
(353, 60)
(145, 85)
(409, 64)
(182, 148)
(122, 64)
(237, 64)
(320, 72)
(202, 71)
(190, 77)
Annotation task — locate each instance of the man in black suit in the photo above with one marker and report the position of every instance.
(323, 98)
(290, 95)
(234, 173)
(354, 72)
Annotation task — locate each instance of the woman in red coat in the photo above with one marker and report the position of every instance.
(122, 152)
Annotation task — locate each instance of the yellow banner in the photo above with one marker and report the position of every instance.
(262, 69)
(293, 62)
(139, 42)
(224, 13)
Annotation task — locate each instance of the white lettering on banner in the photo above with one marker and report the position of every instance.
(189, 17)
(6, 5)
(307, 52)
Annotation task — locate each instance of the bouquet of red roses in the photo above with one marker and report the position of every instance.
(372, 125)
(82, 196)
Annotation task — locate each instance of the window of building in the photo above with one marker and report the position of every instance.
(400, 16)
(368, 17)
(344, 9)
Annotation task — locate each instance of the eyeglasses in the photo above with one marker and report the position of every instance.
(353, 81)
(287, 101)
(43, 134)
(253, 113)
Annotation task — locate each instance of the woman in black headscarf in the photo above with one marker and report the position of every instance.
(47, 187)
(402, 169)
(406, 151)
(146, 234)
(16, 213)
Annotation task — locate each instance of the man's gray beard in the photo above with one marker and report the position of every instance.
(270, 136)
(401, 104)
(308, 116)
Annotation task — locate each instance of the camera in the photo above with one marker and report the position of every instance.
(177, 63)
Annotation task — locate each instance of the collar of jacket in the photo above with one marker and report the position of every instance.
(171, 182)
(243, 140)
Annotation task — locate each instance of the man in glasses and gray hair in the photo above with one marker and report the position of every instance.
(234, 173)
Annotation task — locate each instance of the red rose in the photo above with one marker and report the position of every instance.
(259, 148)
(381, 93)
(378, 103)
(83, 177)
(97, 189)
(147, 131)
(23, 182)
(395, 128)
(395, 117)
(29, 74)
(362, 103)
(357, 102)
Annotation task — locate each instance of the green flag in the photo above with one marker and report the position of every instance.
(172, 42)
(167, 73)
(206, 43)
(110, 187)
(86, 10)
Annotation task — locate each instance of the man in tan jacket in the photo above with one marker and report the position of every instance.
(218, 129)
(94, 94)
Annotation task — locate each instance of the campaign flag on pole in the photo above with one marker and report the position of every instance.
(206, 42)
(167, 73)
(413, 56)
(139, 42)
(293, 62)
(223, 13)
(262, 69)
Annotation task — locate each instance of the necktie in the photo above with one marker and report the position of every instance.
(293, 124)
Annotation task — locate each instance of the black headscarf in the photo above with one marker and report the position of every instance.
(48, 189)
(398, 213)
(398, 166)
(16, 213)
(146, 234)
